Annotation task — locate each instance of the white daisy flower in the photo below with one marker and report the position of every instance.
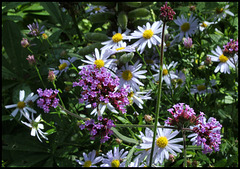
(23, 104)
(221, 13)
(122, 48)
(164, 144)
(181, 78)
(115, 159)
(90, 160)
(201, 89)
(129, 75)
(96, 9)
(203, 25)
(136, 162)
(36, 127)
(138, 97)
(186, 27)
(101, 60)
(167, 75)
(102, 107)
(64, 65)
(225, 62)
(116, 39)
(147, 35)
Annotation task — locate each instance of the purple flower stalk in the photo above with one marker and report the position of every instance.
(100, 87)
(47, 99)
(231, 48)
(167, 13)
(101, 128)
(34, 29)
(31, 59)
(207, 134)
(182, 115)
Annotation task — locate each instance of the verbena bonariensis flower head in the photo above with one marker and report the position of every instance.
(182, 115)
(47, 99)
(167, 13)
(99, 87)
(207, 134)
(101, 128)
(34, 29)
(231, 48)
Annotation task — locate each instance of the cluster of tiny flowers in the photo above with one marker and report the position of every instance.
(167, 13)
(231, 48)
(101, 128)
(47, 99)
(99, 87)
(208, 134)
(183, 115)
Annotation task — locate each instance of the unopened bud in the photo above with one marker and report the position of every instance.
(171, 158)
(44, 35)
(24, 43)
(51, 76)
(192, 8)
(148, 118)
(118, 140)
(194, 163)
(31, 59)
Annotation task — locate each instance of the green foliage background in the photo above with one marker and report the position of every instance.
(75, 33)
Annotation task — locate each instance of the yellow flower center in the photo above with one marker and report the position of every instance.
(204, 25)
(168, 44)
(62, 66)
(185, 27)
(162, 141)
(165, 72)
(223, 58)
(117, 37)
(201, 87)
(115, 163)
(149, 61)
(131, 94)
(147, 34)
(219, 10)
(127, 75)
(97, 9)
(121, 48)
(99, 63)
(21, 105)
(44, 36)
(87, 164)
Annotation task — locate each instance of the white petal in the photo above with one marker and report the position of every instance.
(21, 95)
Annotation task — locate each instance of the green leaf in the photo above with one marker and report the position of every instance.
(11, 5)
(139, 12)
(96, 37)
(123, 120)
(12, 18)
(129, 156)
(89, 49)
(228, 99)
(6, 117)
(178, 163)
(122, 137)
(7, 74)
(101, 17)
(122, 19)
(221, 163)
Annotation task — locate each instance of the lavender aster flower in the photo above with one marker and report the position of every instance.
(34, 29)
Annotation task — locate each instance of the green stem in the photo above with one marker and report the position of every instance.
(71, 114)
(151, 126)
(75, 24)
(184, 149)
(30, 50)
(58, 94)
(159, 96)
(40, 77)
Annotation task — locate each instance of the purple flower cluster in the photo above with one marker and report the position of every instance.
(167, 13)
(208, 134)
(34, 29)
(101, 128)
(231, 48)
(99, 87)
(47, 99)
(183, 115)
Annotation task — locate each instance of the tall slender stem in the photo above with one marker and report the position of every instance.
(40, 77)
(71, 114)
(159, 96)
(184, 149)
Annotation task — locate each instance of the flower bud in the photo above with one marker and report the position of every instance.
(51, 76)
(148, 118)
(192, 8)
(31, 59)
(24, 43)
(187, 42)
(208, 61)
(118, 140)
(194, 163)
(45, 36)
(171, 158)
